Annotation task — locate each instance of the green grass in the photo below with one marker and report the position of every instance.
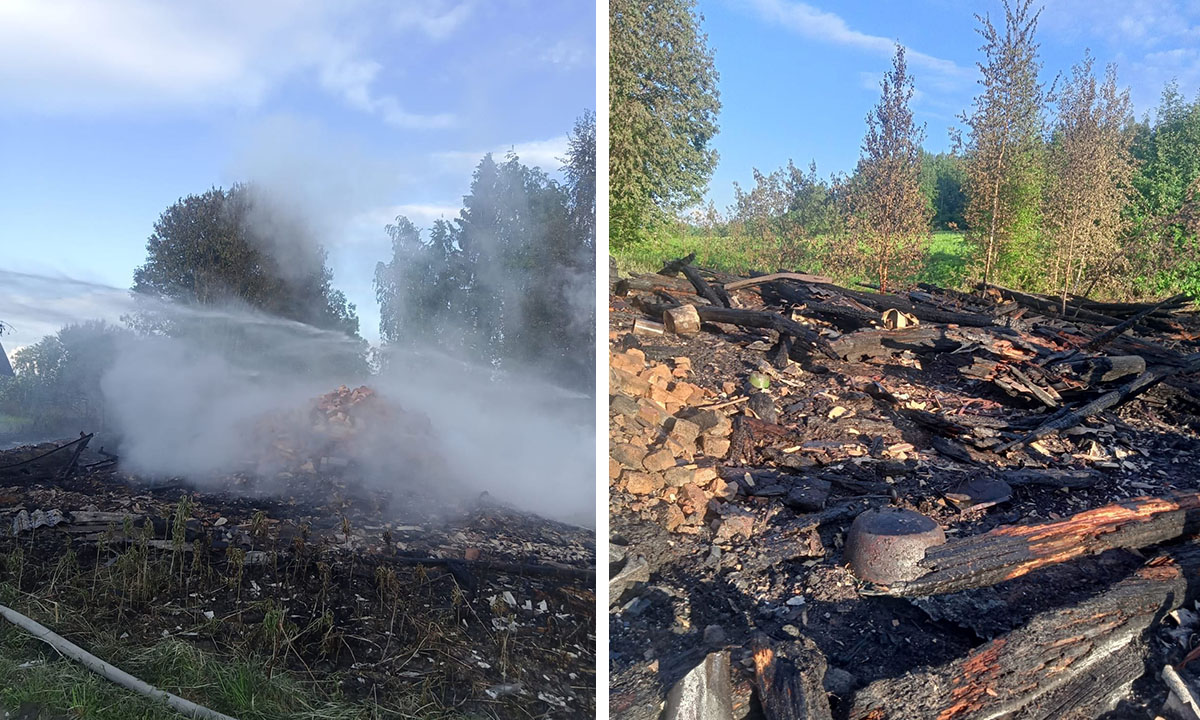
(31, 672)
(244, 685)
(947, 266)
(734, 255)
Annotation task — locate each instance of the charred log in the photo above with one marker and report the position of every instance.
(1070, 662)
(790, 686)
(1012, 551)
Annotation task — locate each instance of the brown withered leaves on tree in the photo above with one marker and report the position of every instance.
(889, 219)
(1004, 137)
(1089, 171)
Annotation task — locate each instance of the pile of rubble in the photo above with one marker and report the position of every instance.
(836, 503)
(666, 442)
(345, 426)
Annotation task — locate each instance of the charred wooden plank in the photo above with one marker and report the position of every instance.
(715, 296)
(1067, 662)
(1011, 551)
(766, 320)
(1097, 370)
(1109, 400)
(881, 343)
(880, 302)
(1047, 306)
(789, 680)
(1072, 479)
(58, 462)
(759, 280)
(651, 283)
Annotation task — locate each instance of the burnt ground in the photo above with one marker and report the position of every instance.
(711, 590)
(482, 611)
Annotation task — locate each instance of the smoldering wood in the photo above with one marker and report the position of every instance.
(790, 680)
(761, 319)
(766, 320)
(58, 462)
(683, 265)
(1069, 662)
(1070, 479)
(1106, 369)
(1162, 308)
(1011, 551)
(869, 344)
(1050, 307)
(1108, 335)
(880, 302)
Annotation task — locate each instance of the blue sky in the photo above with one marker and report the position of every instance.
(798, 78)
(355, 111)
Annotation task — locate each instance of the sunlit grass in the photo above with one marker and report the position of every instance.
(946, 266)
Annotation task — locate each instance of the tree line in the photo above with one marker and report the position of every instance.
(507, 285)
(1055, 188)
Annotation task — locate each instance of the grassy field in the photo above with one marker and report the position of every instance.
(946, 267)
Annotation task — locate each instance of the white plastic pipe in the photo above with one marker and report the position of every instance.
(107, 671)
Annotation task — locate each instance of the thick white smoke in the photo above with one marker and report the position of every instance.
(188, 405)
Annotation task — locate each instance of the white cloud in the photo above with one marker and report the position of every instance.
(353, 79)
(822, 26)
(1152, 41)
(545, 154)
(1128, 23)
(76, 56)
(564, 53)
(434, 19)
(421, 214)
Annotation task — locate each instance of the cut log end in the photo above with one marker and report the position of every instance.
(682, 320)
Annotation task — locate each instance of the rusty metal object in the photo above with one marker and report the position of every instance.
(887, 545)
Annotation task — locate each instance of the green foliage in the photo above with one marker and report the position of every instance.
(239, 249)
(1168, 153)
(509, 281)
(788, 207)
(663, 101)
(1003, 144)
(236, 245)
(1163, 248)
(240, 686)
(947, 253)
(942, 185)
(579, 169)
(57, 382)
(888, 217)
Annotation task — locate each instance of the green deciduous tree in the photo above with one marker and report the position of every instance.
(889, 217)
(1002, 146)
(793, 210)
(579, 169)
(57, 382)
(213, 248)
(663, 103)
(1089, 169)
